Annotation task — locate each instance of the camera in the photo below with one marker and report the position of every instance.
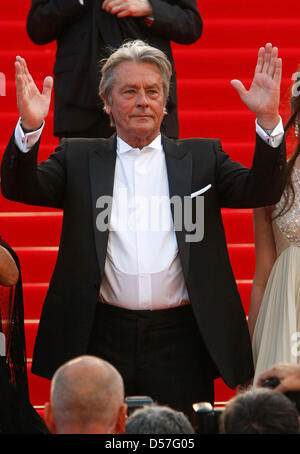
(134, 402)
(294, 396)
(206, 419)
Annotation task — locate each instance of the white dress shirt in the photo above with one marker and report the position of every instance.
(142, 267)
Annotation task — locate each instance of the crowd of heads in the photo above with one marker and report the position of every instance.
(87, 397)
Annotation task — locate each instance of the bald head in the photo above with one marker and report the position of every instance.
(86, 392)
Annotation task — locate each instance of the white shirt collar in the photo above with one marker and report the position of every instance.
(123, 147)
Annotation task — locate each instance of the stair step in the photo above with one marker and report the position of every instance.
(18, 9)
(217, 94)
(246, 33)
(37, 264)
(33, 296)
(193, 94)
(35, 293)
(31, 228)
(227, 125)
(39, 388)
(229, 63)
(39, 391)
(42, 229)
(255, 9)
(280, 32)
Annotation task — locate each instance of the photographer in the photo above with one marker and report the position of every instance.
(260, 411)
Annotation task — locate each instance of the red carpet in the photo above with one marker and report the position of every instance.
(208, 107)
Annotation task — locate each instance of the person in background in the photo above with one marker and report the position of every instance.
(260, 411)
(85, 31)
(274, 317)
(17, 415)
(87, 397)
(158, 419)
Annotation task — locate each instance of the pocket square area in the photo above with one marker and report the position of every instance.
(201, 191)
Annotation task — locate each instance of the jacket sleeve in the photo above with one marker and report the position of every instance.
(47, 19)
(177, 21)
(261, 185)
(24, 180)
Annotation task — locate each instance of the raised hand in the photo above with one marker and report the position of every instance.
(33, 105)
(263, 97)
(124, 8)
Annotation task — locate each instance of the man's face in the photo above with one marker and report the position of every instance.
(137, 102)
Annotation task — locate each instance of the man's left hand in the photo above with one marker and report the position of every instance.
(124, 8)
(263, 97)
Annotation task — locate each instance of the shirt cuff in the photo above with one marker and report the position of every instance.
(274, 139)
(25, 141)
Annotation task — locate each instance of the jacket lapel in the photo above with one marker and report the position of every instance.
(102, 163)
(179, 168)
(102, 170)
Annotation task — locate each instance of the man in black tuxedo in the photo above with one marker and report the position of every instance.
(84, 31)
(160, 304)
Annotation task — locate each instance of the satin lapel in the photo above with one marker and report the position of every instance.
(102, 170)
(179, 168)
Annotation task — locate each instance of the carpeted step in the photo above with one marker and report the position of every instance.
(227, 63)
(35, 293)
(31, 228)
(255, 9)
(42, 229)
(193, 94)
(227, 125)
(18, 9)
(259, 32)
(38, 262)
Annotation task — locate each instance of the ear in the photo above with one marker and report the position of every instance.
(49, 418)
(121, 421)
(107, 107)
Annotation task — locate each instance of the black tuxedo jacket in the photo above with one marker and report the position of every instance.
(82, 170)
(83, 36)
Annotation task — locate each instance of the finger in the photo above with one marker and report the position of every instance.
(19, 77)
(280, 388)
(267, 57)
(278, 70)
(19, 69)
(239, 87)
(119, 10)
(26, 71)
(273, 60)
(260, 60)
(124, 12)
(23, 69)
(112, 6)
(47, 87)
(265, 376)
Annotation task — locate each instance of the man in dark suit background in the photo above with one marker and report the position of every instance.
(160, 304)
(84, 31)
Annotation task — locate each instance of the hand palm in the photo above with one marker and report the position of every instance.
(263, 97)
(33, 105)
(261, 94)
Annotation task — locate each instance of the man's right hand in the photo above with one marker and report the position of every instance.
(33, 105)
